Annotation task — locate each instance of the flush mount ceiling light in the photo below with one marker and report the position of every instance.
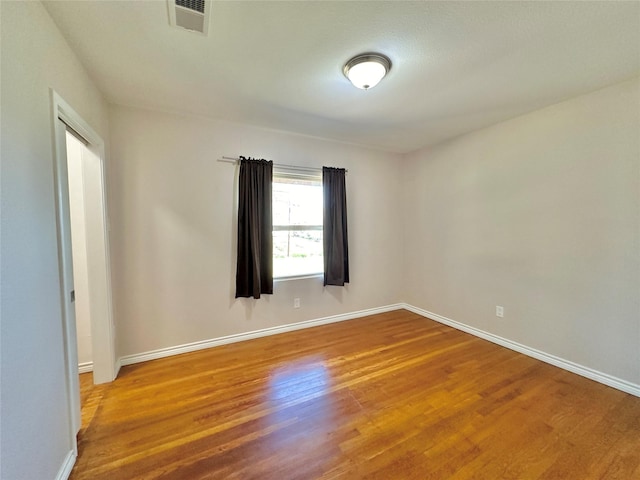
(365, 71)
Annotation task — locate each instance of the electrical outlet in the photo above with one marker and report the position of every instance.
(499, 311)
(296, 303)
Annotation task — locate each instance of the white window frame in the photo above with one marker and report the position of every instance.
(300, 174)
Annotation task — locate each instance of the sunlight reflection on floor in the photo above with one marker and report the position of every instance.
(302, 405)
(299, 381)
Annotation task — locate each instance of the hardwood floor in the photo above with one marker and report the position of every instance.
(391, 396)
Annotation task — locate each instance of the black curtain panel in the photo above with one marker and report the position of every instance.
(336, 248)
(254, 271)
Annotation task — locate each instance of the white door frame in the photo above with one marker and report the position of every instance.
(105, 365)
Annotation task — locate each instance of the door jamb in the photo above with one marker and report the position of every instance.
(109, 367)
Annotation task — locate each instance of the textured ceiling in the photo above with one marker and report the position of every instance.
(457, 66)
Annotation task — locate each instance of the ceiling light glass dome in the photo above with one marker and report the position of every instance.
(365, 71)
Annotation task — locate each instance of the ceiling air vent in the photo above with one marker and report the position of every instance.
(192, 15)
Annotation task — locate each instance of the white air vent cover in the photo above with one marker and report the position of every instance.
(192, 15)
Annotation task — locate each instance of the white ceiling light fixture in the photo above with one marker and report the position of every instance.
(366, 70)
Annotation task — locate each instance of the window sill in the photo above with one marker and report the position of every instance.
(299, 277)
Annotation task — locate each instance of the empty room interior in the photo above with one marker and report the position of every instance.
(320, 240)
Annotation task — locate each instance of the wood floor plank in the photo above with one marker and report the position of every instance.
(390, 396)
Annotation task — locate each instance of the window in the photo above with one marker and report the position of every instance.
(297, 224)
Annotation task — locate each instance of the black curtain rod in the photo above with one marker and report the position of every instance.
(293, 167)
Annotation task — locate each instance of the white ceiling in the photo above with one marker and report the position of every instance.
(457, 66)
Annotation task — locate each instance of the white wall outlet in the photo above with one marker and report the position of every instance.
(499, 311)
(296, 303)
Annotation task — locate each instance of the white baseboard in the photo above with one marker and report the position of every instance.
(215, 342)
(67, 466)
(587, 372)
(85, 367)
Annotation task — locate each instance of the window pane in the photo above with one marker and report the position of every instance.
(297, 203)
(297, 253)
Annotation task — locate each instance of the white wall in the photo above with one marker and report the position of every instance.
(79, 247)
(34, 437)
(539, 214)
(173, 229)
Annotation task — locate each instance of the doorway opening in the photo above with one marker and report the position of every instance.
(79, 170)
(76, 156)
(79, 179)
